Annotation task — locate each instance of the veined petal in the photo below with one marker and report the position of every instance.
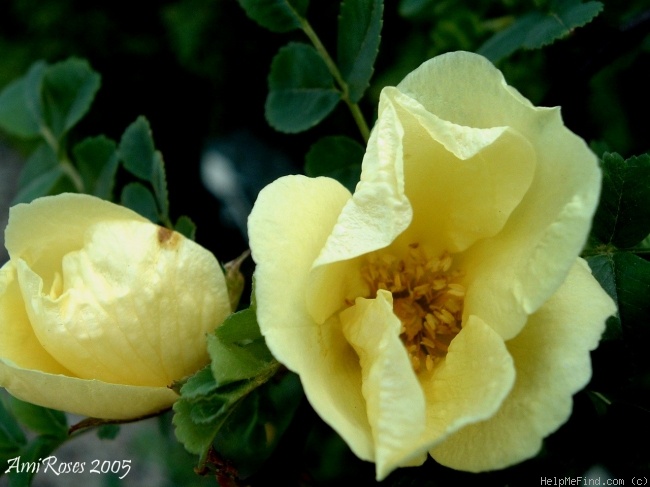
(18, 343)
(91, 398)
(288, 227)
(127, 323)
(394, 399)
(463, 182)
(516, 271)
(552, 359)
(379, 210)
(469, 385)
(46, 229)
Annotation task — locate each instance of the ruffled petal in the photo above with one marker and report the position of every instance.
(379, 210)
(469, 385)
(394, 400)
(91, 398)
(127, 310)
(18, 343)
(46, 229)
(463, 182)
(552, 359)
(515, 272)
(287, 228)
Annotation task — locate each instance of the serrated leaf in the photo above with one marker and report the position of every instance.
(139, 156)
(136, 149)
(159, 184)
(238, 352)
(336, 157)
(69, 88)
(301, 89)
(195, 437)
(203, 408)
(15, 118)
(626, 278)
(97, 161)
(186, 227)
(44, 421)
(276, 15)
(537, 29)
(199, 385)
(358, 43)
(623, 215)
(138, 198)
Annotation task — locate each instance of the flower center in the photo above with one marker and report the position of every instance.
(427, 298)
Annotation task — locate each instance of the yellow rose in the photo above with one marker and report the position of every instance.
(100, 309)
(442, 307)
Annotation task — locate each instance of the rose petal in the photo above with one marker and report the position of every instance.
(288, 227)
(18, 343)
(513, 273)
(394, 400)
(378, 211)
(92, 398)
(46, 229)
(121, 314)
(552, 359)
(462, 182)
(469, 385)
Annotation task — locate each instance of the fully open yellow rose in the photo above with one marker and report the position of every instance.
(100, 309)
(442, 308)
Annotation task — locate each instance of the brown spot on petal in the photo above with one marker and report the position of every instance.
(167, 238)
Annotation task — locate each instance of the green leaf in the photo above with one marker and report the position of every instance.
(48, 100)
(40, 447)
(44, 421)
(139, 199)
(140, 158)
(336, 157)
(301, 88)
(40, 161)
(136, 149)
(12, 438)
(69, 88)
(358, 43)
(276, 15)
(97, 161)
(237, 349)
(254, 429)
(159, 184)
(42, 185)
(626, 278)
(186, 227)
(537, 29)
(33, 95)
(623, 215)
(15, 118)
(108, 431)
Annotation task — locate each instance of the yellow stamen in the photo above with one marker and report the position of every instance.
(427, 298)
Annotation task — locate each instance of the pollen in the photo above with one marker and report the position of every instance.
(427, 298)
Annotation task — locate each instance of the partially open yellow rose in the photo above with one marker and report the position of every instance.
(442, 308)
(100, 309)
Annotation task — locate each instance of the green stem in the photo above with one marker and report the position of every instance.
(334, 70)
(73, 174)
